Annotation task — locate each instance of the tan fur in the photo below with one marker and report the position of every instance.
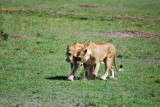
(93, 54)
(71, 53)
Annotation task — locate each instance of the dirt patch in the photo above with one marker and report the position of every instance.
(87, 6)
(16, 37)
(123, 34)
(114, 17)
(62, 13)
(92, 7)
(18, 10)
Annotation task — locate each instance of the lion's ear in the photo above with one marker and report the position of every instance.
(87, 44)
(75, 43)
(85, 51)
(68, 46)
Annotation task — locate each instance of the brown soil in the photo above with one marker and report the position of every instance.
(16, 37)
(87, 6)
(92, 7)
(18, 10)
(117, 34)
(134, 19)
(123, 34)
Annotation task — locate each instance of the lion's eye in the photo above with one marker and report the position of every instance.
(78, 59)
(69, 54)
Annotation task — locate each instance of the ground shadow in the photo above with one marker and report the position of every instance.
(57, 78)
(60, 78)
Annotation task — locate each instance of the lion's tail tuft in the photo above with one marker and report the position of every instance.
(121, 66)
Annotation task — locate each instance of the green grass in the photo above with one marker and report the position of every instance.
(30, 67)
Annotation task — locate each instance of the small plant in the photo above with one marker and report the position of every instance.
(4, 35)
(39, 35)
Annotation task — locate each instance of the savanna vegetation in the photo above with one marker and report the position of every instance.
(33, 41)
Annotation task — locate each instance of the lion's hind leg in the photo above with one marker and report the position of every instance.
(108, 62)
(112, 72)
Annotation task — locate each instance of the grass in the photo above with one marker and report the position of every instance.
(33, 69)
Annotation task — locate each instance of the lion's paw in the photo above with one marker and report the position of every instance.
(103, 77)
(70, 78)
(93, 76)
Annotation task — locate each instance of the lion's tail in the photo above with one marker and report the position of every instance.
(114, 61)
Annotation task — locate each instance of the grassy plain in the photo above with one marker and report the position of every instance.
(33, 70)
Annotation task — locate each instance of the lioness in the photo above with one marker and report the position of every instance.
(71, 53)
(93, 54)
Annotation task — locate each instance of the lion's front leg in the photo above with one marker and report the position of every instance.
(89, 71)
(94, 74)
(73, 71)
(86, 68)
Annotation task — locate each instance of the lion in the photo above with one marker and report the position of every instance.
(71, 53)
(93, 54)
